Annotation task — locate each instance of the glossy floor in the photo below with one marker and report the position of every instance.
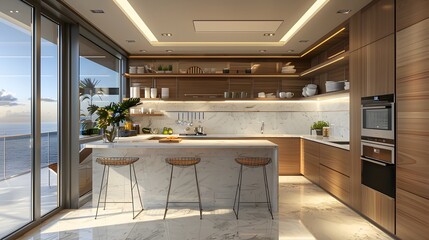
(306, 212)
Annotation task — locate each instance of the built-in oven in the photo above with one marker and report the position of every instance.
(378, 117)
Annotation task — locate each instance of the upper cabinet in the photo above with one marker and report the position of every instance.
(378, 67)
(377, 21)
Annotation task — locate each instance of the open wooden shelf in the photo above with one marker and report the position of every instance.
(220, 75)
(146, 114)
(328, 95)
(330, 64)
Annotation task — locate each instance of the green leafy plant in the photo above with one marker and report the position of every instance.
(88, 89)
(170, 67)
(319, 125)
(114, 113)
(165, 68)
(160, 68)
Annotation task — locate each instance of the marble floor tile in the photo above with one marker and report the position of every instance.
(305, 212)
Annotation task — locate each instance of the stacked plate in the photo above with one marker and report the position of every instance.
(309, 90)
(288, 69)
(346, 85)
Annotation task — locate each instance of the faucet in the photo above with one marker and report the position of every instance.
(262, 127)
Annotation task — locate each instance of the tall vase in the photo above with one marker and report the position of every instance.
(110, 133)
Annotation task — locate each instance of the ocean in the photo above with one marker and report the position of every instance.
(16, 149)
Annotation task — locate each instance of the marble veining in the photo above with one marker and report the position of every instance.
(306, 212)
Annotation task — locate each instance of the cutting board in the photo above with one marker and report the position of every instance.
(170, 140)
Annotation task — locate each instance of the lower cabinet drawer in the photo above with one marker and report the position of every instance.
(335, 183)
(311, 171)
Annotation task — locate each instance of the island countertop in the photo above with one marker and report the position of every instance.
(138, 142)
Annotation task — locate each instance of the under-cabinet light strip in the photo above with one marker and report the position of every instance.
(324, 65)
(327, 39)
(336, 54)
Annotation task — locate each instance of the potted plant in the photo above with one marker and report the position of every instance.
(165, 68)
(111, 115)
(160, 69)
(318, 126)
(169, 69)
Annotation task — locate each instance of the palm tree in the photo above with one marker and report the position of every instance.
(87, 90)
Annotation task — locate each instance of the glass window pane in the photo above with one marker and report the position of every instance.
(99, 85)
(49, 120)
(15, 115)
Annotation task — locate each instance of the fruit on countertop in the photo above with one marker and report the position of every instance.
(170, 131)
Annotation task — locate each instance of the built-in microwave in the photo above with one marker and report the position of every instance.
(378, 117)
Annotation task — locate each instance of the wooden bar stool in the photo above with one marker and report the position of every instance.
(116, 162)
(252, 162)
(183, 162)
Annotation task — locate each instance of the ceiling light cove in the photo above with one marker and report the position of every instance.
(267, 26)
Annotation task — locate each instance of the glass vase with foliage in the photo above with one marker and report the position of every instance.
(111, 115)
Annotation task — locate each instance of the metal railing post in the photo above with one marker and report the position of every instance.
(4, 157)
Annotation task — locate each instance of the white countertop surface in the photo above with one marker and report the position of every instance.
(143, 140)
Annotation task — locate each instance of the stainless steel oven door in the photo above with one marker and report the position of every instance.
(379, 152)
(378, 121)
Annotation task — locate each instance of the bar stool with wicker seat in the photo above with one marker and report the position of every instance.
(117, 162)
(252, 162)
(183, 162)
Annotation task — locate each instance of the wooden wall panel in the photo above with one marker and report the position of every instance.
(379, 207)
(378, 62)
(335, 158)
(378, 21)
(410, 12)
(241, 85)
(335, 183)
(267, 85)
(413, 109)
(288, 155)
(310, 159)
(412, 213)
(170, 83)
(201, 86)
(294, 85)
(355, 128)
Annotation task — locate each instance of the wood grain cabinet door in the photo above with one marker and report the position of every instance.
(310, 155)
(378, 67)
(336, 159)
(288, 155)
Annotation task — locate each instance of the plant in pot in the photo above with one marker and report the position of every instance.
(318, 126)
(160, 69)
(111, 115)
(166, 69)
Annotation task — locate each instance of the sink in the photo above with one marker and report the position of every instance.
(340, 142)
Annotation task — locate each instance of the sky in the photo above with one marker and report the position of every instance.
(16, 69)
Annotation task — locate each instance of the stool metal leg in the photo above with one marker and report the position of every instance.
(168, 193)
(101, 188)
(240, 178)
(267, 192)
(198, 189)
(137, 184)
(107, 185)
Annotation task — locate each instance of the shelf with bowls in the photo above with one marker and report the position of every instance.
(328, 95)
(146, 114)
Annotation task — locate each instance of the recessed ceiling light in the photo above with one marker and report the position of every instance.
(97, 11)
(12, 11)
(262, 51)
(303, 41)
(130, 41)
(344, 11)
(166, 34)
(269, 34)
(291, 50)
(169, 51)
(143, 51)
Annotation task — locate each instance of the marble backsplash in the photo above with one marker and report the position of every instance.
(247, 117)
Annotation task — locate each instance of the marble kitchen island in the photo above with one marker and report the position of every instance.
(217, 172)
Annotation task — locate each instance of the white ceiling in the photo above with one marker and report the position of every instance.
(177, 17)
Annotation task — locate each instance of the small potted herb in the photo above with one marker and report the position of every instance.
(160, 69)
(318, 126)
(167, 69)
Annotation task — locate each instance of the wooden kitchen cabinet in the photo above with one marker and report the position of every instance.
(288, 155)
(412, 168)
(334, 182)
(310, 160)
(378, 207)
(335, 158)
(412, 213)
(378, 67)
(377, 21)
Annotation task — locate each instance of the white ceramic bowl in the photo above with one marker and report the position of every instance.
(311, 91)
(313, 86)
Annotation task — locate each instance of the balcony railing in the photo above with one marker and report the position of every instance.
(16, 153)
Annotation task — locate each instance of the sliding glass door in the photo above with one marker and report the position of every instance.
(29, 121)
(49, 173)
(16, 158)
